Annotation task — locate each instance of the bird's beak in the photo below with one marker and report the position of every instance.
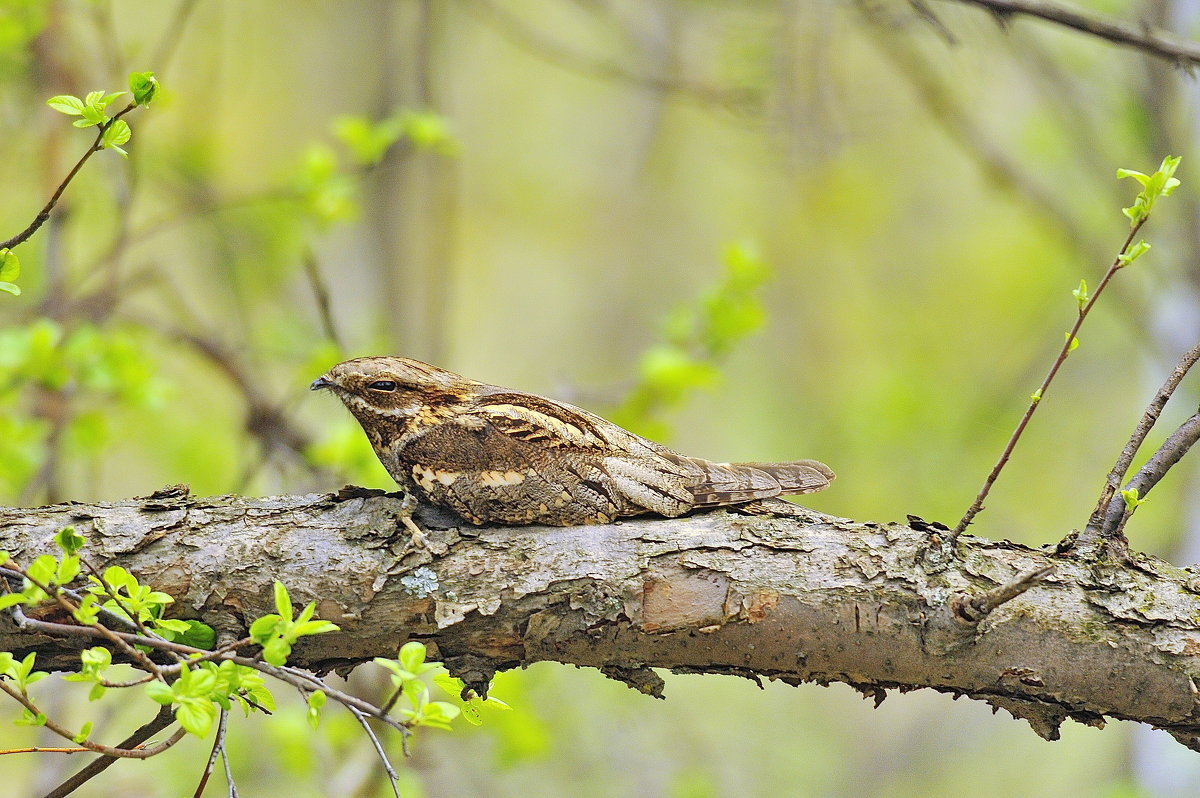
(319, 383)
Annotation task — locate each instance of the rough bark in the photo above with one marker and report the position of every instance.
(877, 606)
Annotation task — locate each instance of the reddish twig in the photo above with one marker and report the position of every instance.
(1040, 394)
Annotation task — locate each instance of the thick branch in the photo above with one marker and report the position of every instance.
(762, 596)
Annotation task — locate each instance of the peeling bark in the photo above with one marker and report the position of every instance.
(809, 598)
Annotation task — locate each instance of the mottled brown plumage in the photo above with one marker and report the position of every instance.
(495, 455)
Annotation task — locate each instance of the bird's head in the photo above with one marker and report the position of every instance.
(379, 389)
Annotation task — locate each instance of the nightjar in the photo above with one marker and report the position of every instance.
(495, 455)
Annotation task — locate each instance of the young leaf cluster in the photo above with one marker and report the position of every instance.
(406, 672)
(278, 632)
(1159, 184)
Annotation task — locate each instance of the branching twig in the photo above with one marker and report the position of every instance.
(41, 218)
(124, 753)
(1139, 37)
(393, 777)
(97, 629)
(1040, 394)
(218, 748)
(1149, 417)
(1149, 475)
(162, 720)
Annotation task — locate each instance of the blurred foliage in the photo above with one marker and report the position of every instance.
(543, 194)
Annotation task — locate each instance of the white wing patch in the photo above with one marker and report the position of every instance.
(500, 479)
(426, 477)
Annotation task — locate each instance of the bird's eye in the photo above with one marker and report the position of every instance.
(383, 385)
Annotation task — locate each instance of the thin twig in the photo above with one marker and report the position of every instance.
(172, 35)
(312, 270)
(41, 218)
(115, 596)
(289, 675)
(70, 750)
(975, 609)
(233, 793)
(1040, 394)
(1113, 482)
(393, 777)
(162, 720)
(61, 731)
(1139, 37)
(1171, 452)
(538, 44)
(98, 629)
(218, 747)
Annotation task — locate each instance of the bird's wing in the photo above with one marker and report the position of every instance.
(634, 473)
(551, 450)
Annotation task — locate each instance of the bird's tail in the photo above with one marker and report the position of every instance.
(734, 483)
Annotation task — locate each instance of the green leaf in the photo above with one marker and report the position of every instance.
(160, 693)
(1132, 500)
(84, 733)
(42, 569)
(197, 635)
(10, 265)
(66, 104)
(97, 692)
(1081, 294)
(1159, 184)
(1074, 342)
(116, 134)
(283, 602)
(69, 540)
(9, 288)
(29, 719)
(87, 613)
(143, 85)
(276, 651)
(412, 654)
(315, 628)
(96, 657)
(11, 600)
(263, 628)
(172, 625)
(316, 701)
(1138, 176)
(117, 577)
(1133, 253)
(196, 716)
(68, 569)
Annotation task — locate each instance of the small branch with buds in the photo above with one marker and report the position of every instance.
(1159, 184)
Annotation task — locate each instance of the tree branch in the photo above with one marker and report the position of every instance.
(800, 599)
(1139, 37)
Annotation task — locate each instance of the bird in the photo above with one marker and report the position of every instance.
(495, 455)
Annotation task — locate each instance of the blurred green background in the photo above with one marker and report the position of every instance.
(754, 230)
